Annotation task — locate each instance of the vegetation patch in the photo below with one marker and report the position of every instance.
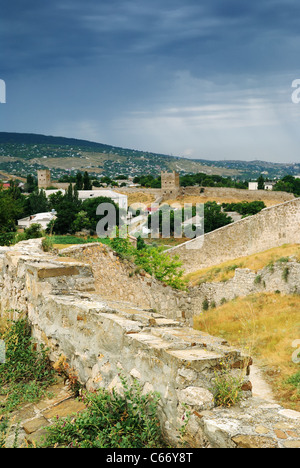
(125, 419)
(265, 326)
(26, 372)
(255, 262)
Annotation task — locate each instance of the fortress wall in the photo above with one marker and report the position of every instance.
(238, 194)
(272, 227)
(119, 280)
(101, 339)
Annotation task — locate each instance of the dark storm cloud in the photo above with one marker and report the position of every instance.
(221, 35)
(160, 75)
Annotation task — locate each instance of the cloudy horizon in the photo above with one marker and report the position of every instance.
(198, 79)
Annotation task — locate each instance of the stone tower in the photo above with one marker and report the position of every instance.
(44, 178)
(170, 184)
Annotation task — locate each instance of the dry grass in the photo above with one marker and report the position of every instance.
(264, 325)
(197, 199)
(256, 262)
(64, 246)
(138, 197)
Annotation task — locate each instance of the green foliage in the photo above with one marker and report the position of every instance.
(148, 181)
(294, 380)
(33, 232)
(11, 209)
(125, 419)
(288, 184)
(205, 180)
(285, 274)
(47, 243)
(167, 219)
(214, 218)
(205, 305)
(153, 260)
(26, 373)
(258, 279)
(87, 184)
(261, 182)
(36, 203)
(68, 240)
(227, 389)
(245, 208)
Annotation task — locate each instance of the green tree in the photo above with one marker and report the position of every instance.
(87, 185)
(31, 183)
(90, 207)
(261, 183)
(36, 203)
(214, 218)
(81, 221)
(79, 181)
(11, 210)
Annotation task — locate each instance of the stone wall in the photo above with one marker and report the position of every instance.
(272, 227)
(101, 339)
(123, 281)
(237, 194)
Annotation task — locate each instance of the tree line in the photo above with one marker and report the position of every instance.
(72, 214)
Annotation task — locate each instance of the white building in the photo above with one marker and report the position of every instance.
(253, 186)
(40, 218)
(269, 185)
(118, 198)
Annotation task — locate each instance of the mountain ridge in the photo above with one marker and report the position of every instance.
(22, 153)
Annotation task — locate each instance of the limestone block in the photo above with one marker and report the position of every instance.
(198, 398)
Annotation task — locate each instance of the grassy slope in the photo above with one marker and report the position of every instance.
(255, 262)
(266, 326)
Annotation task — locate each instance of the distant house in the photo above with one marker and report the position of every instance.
(253, 186)
(269, 185)
(118, 198)
(40, 218)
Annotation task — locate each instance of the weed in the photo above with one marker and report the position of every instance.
(112, 420)
(227, 389)
(258, 279)
(285, 274)
(27, 371)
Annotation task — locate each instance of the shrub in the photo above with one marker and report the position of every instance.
(153, 260)
(33, 232)
(27, 372)
(258, 279)
(47, 244)
(111, 420)
(205, 305)
(227, 388)
(285, 274)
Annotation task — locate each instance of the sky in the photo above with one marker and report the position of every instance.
(201, 79)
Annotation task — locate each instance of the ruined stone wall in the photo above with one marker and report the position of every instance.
(238, 194)
(120, 280)
(272, 227)
(101, 339)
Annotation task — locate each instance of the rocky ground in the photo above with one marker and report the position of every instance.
(31, 420)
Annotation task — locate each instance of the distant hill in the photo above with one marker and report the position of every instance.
(23, 153)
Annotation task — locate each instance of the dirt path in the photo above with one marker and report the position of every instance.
(261, 388)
